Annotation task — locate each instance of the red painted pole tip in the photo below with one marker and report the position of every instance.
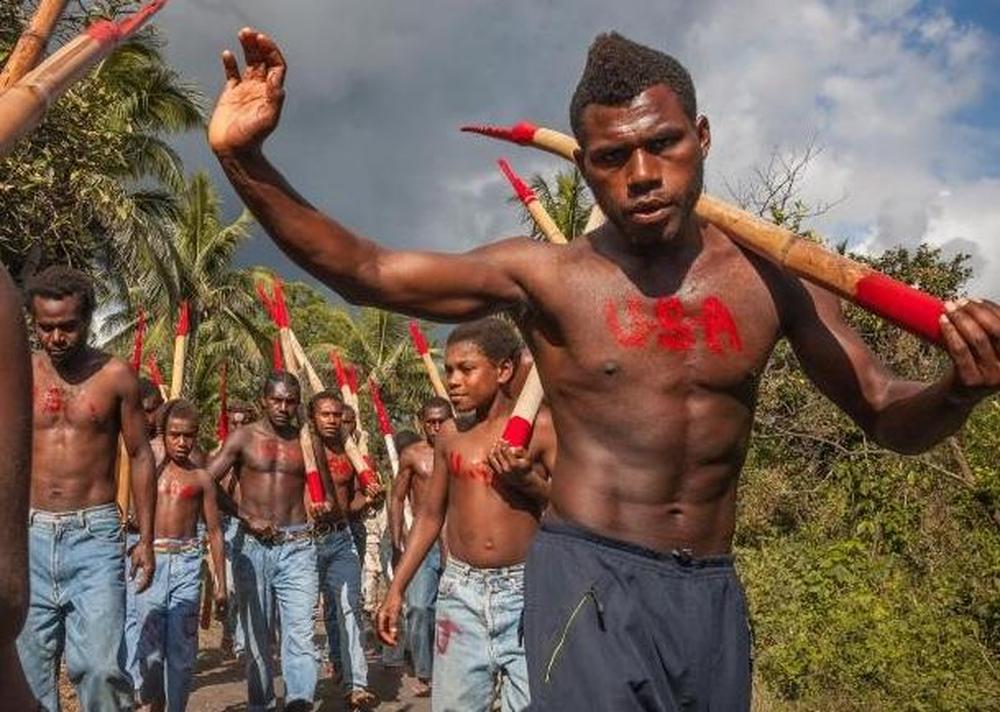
(352, 377)
(137, 341)
(183, 319)
(384, 424)
(419, 340)
(277, 359)
(522, 189)
(281, 317)
(521, 133)
(338, 370)
(154, 372)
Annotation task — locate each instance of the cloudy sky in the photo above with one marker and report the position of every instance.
(899, 95)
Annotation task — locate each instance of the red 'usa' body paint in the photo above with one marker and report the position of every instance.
(640, 326)
(718, 323)
(676, 333)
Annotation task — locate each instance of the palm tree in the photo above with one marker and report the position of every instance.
(194, 264)
(568, 202)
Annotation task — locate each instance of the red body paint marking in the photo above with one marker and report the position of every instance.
(476, 471)
(676, 333)
(53, 401)
(640, 325)
(267, 449)
(675, 330)
(189, 492)
(718, 323)
(340, 465)
(445, 629)
(92, 410)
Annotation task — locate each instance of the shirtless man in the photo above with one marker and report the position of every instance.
(83, 400)
(168, 609)
(15, 444)
(415, 465)
(493, 498)
(649, 334)
(337, 558)
(274, 560)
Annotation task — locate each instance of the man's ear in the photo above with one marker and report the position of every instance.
(704, 134)
(578, 159)
(505, 371)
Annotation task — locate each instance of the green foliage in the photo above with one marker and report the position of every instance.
(568, 203)
(873, 578)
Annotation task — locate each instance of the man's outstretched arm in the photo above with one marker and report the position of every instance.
(905, 416)
(433, 285)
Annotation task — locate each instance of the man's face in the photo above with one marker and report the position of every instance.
(60, 326)
(644, 163)
(472, 379)
(150, 407)
(328, 417)
(280, 403)
(179, 438)
(349, 421)
(432, 421)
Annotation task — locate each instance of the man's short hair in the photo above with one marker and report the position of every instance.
(618, 70)
(405, 438)
(181, 409)
(147, 389)
(435, 403)
(496, 338)
(322, 396)
(348, 408)
(59, 282)
(238, 406)
(281, 377)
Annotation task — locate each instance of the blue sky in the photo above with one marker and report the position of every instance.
(900, 95)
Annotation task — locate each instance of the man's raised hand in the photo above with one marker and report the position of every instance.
(971, 332)
(250, 104)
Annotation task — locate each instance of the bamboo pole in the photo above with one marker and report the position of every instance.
(123, 471)
(909, 308)
(32, 42)
(181, 336)
(423, 349)
(25, 102)
(385, 426)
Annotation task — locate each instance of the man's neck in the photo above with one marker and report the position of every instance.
(499, 407)
(334, 444)
(287, 432)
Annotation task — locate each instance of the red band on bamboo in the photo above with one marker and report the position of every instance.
(183, 320)
(524, 193)
(518, 431)
(281, 317)
(104, 31)
(384, 424)
(419, 341)
(522, 133)
(338, 369)
(352, 377)
(278, 361)
(315, 486)
(154, 372)
(137, 341)
(915, 311)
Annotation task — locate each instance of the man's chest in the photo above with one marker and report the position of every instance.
(341, 470)
(275, 455)
(85, 405)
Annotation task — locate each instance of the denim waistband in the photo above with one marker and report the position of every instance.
(457, 567)
(73, 517)
(678, 557)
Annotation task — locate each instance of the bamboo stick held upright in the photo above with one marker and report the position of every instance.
(385, 426)
(180, 350)
(23, 105)
(424, 350)
(123, 495)
(909, 308)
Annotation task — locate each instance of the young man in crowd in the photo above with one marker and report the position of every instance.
(493, 496)
(274, 559)
(337, 558)
(84, 400)
(416, 462)
(168, 609)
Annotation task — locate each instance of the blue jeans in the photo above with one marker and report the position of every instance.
(339, 571)
(230, 627)
(421, 596)
(478, 642)
(131, 618)
(77, 578)
(278, 578)
(168, 613)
